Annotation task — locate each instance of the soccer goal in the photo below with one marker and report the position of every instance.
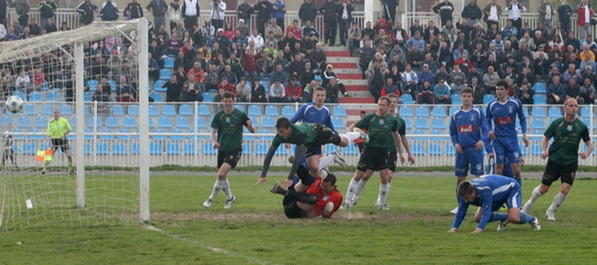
(91, 76)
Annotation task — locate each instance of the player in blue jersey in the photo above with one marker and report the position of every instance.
(501, 116)
(490, 193)
(316, 112)
(468, 132)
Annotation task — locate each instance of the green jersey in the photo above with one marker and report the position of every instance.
(229, 129)
(401, 125)
(57, 128)
(302, 133)
(379, 129)
(567, 135)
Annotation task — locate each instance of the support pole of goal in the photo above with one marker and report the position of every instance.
(143, 120)
(80, 118)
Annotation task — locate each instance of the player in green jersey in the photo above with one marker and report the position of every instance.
(227, 124)
(563, 156)
(308, 138)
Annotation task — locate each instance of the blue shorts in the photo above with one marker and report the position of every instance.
(471, 157)
(513, 199)
(506, 147)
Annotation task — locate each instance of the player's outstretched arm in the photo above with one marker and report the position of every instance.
(266, 163)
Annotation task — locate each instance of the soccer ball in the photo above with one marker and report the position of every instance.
(14, 104)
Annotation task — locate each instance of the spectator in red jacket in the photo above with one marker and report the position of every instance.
(224, 84)
(294, 91)
(585, 12)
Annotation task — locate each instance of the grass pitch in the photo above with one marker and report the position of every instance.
(255, 230)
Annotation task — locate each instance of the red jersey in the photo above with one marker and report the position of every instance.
(323, 199)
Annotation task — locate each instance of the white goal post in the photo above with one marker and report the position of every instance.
(26, 195)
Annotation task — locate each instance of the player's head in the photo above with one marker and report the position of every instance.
(227, 101)
(501, 89)
(56, 113)
(328, 184)
(571, 107)
(466, 95)
(383, 105)
(393, 102)
(467, 191)
(362, 114)
(283, 127)
(319, 96)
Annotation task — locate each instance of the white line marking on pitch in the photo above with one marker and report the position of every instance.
(205, 246)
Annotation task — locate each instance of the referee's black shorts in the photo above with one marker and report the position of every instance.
(60, 143)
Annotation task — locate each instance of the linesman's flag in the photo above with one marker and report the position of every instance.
(44, 155)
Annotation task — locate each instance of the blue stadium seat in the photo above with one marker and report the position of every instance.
(188, 148)
(88, 96)
(438, 123)
(133, 110)
(186, 110)
(338, 123)
(92, 84)
(165, 74)
(35, 96)
(407, 99)
(112, 122)
(172, 148)
(540, 88)
(585, 112)
(169, 62)
(66, 109)
(406, 111)
(288, 112)
(554, 112)
(41, 122)
(255, 111)
(203, 110)
(207, 97)
(438, 111)
(53, 96)
(123, 137)
(539, 99)
(268, 122)
(339, 111)
(538, 112)
(45, 86)
(117, 110)
(153, 110)
(272, 111)
(317, 78)
(130, 122)
(119, 148)
(157, 96)
(456, 99)
(201, 123)
(182, 123)
(29, 109)
(112, 85)
(24, 122)
(164, 122)
(102, 149)
(169, 110)
(422, 111)
(94, 121)
(421, 123)
(453, 109)
(155, 148)
(208, 149)
(488, 98)
(539, 124)
(177, 137)
(265, 85)
(157, 85)
(240, 107)
(108, 136)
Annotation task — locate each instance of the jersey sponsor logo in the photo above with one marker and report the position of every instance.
(510, 109)
(466, 128)
(569, 128)
(381, 122)
(326, 197)
(504, 120)
(227, 119)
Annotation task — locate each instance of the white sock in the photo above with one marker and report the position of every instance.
(352, 188)
(215, 191)
(360, 186)
(225, 185)
(351, 136)
(557, 201)
(383, 193)
(325, 161)
(534, 196)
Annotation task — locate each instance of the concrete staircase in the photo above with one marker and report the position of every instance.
(346, 67)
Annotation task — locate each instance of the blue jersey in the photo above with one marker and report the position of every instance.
(308, 113)
(502, 117)
(493, 191)
(467, 127)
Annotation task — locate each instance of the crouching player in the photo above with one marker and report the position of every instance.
(310, 197)
(490, 192)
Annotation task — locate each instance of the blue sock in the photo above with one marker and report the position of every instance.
(498, 217)
(526, 218)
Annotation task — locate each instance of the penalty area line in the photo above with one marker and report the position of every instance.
(205, 246)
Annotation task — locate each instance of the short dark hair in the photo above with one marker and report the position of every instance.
(227, 95)
(387, 99)
(331, 178)
(320, 88)
(465, 188)
(392, 95)
(282, 123)
(502, 83)
(467, 90)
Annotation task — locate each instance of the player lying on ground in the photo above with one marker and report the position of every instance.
(490, 193)
(307, 137)
(311, 196)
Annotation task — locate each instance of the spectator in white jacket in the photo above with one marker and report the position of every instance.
(218, 9)
(174, 14)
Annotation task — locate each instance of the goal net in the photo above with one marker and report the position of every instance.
(90, 77)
